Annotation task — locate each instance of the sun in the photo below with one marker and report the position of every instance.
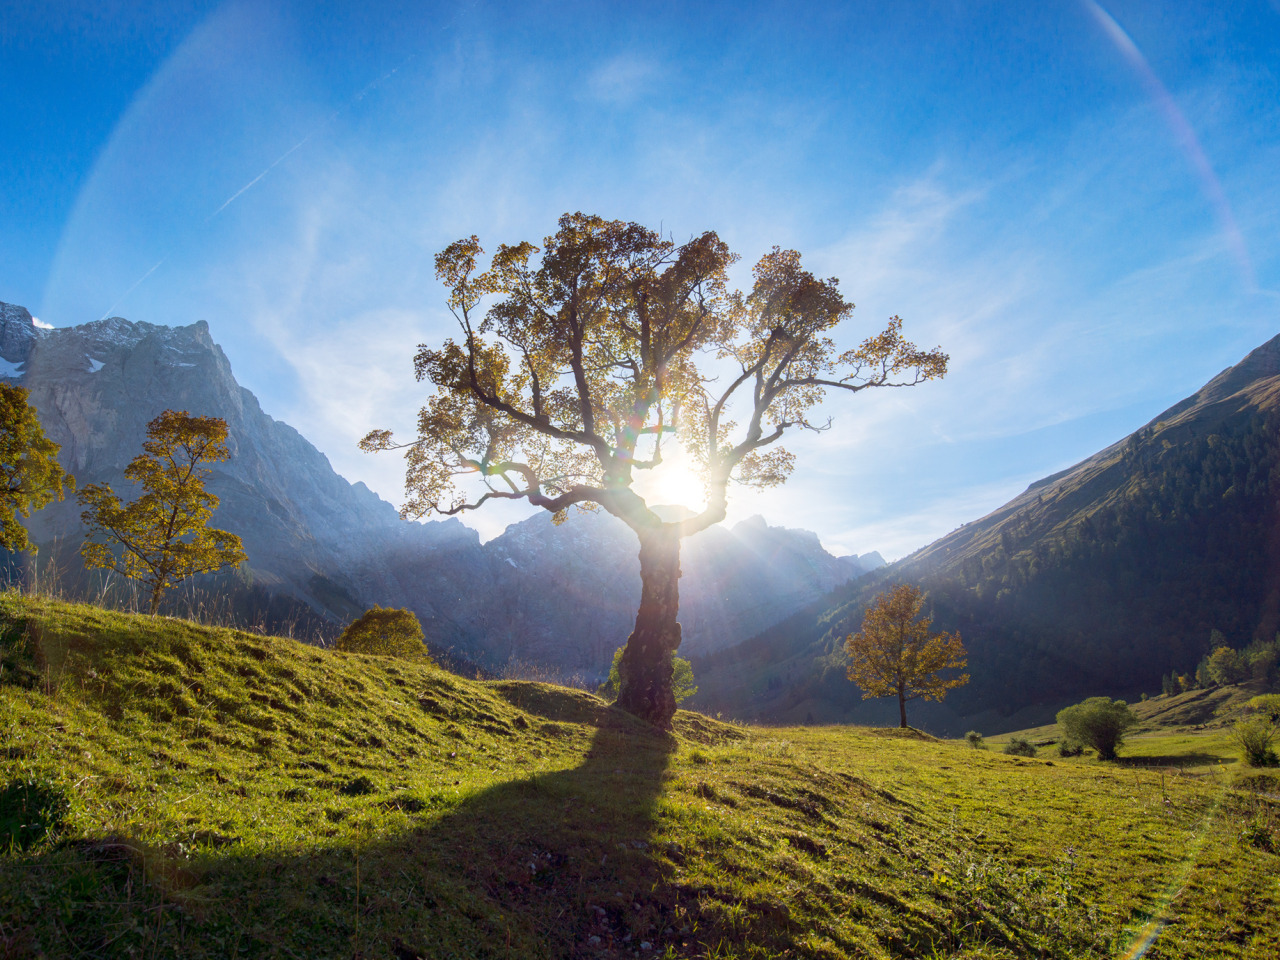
(674, 483)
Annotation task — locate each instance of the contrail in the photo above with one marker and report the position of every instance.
(271, 166)
(120, 299)
(1185, 136)
(319, 127)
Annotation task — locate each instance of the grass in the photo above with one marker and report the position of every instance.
(230, 794)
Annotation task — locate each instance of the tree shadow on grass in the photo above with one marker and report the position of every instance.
(1174, 760)
(554, 864)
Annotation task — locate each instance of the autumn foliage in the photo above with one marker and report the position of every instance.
(163, 537)
(29, 468)
(582, 363)
(895, 654)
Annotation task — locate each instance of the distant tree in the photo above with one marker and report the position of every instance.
(611, 343)
(1226, 666)
(682, 686)
(163, 537)
(385, 631)
(1267, 706)
(29, 468)
(974, 739)
(1262, 658)
(1204, 678)
(1020, 747)
(1099, 723)
(895, 654)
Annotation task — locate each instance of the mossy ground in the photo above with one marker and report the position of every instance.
(239, 795)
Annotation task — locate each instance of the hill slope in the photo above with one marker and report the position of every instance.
(232, 794)
(1100, 578)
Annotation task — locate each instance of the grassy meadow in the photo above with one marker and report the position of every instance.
(202, 792)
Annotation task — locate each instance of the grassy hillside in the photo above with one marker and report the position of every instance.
(228, 794)
(1100, 579)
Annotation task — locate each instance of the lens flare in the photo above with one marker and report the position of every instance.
(1185, 137)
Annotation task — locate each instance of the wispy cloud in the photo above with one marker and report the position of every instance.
(623, 78)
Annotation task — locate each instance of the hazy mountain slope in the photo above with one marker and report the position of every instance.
(560, 597)
(1099, 578)
(570, 592)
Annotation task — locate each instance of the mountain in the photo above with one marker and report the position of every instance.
(308, 533)
(559, 598)
(1098, 579)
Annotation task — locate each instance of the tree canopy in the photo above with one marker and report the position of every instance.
(894, 654)
(1098, 722)
(580, 363)
(29, 468)
(163, 537)
(385, 631)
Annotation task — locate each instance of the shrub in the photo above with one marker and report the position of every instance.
(1020, 747)
(1254, 737)
(30, 808)
(975, 740)
(1099, 723)
(681, 679)
(385, 631)
(1267, 705)
(1067, 748)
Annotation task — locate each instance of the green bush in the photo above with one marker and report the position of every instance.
(30, 809)
(387, 632)
(1020, 747)
(1098, 722)
(1067, 748)
(974, 739)
(1255, 737)
(681, 678)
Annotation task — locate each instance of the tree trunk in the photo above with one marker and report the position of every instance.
(902, 707)
(645, 670)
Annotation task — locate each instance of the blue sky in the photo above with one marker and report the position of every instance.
(1077, 200)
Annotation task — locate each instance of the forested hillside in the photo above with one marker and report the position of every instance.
(1101, 578)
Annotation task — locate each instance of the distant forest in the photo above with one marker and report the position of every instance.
(1183, 542)
(1134, 589)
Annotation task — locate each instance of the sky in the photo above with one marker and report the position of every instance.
(1077, 200)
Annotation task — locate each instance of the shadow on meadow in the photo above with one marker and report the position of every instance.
(1172, 760)
(556, 864)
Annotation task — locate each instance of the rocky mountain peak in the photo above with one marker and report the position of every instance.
(17, 333)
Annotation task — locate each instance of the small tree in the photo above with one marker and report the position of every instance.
(385, 631)
(1020, 747)
(163, 537)
(1255, 738)
(896, 655)
(1098, 722)
(1227, 666)
(29, 468)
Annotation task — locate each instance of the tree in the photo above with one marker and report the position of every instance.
(1098, 722)
(386, 631)
(163, 537)
(581, 367)
(29, 468)
(682, 686)
(894, 654)
(1226, 666)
